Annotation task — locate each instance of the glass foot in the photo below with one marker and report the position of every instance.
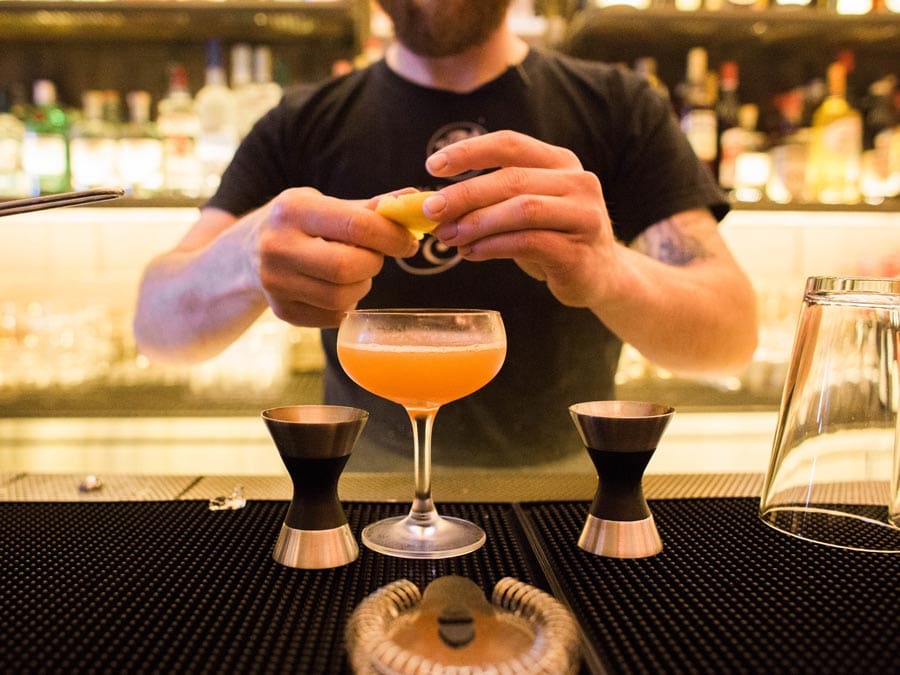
(431, 539)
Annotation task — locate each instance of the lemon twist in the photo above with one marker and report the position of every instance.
(406, 210)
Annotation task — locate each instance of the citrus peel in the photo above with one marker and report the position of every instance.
(406, 210)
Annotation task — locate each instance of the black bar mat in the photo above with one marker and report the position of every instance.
(173, 587)
(728, 594)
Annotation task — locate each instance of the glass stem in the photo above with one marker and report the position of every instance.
(422, 511)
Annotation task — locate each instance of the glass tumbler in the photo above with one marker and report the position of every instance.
(834, 463)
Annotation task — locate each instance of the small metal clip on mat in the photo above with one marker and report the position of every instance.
(232, 502)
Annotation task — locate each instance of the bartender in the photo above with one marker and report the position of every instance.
(567, 199)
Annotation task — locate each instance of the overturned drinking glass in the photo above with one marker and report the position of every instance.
(834, 456)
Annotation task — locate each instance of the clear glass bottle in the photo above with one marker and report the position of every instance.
(647, 68)
(12, 131)
(140, 149)
(92, 144)
(242, 86)
(727, 120)
(698, 116)
(217, 113)
(45, 146)
(833, 165)
(179, 126)
(268, 91)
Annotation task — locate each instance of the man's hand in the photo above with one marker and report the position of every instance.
(539, 208)
(315, 256)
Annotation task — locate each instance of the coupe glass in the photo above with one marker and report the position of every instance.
(421, 359)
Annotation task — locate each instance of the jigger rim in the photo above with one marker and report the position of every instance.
(622, 409)
(314, 414)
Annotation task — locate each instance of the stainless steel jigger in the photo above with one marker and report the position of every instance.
(620, 437)
(315, 442)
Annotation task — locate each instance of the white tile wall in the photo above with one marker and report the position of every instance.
(78, 257)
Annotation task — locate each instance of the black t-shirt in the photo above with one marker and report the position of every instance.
(370, 132)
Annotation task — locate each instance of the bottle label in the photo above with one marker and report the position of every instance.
(700, 128)
(843, 136)
(44, 154)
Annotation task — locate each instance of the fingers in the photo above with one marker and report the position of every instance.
(339, 220)
(499, 149)
(454, 201)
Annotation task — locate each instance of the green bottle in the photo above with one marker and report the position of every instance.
(45, 147)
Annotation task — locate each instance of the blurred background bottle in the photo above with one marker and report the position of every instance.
(92, 144)
(728, 123)
(216, 109)
(268, 91)
(646, 67)
(13, 182)
(697, 113)
(140, 149)
(833, 165)
(45, 145)
(179, 126)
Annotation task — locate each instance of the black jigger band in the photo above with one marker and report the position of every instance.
(315, 505)
(619, 494)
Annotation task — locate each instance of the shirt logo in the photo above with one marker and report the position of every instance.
(433, 256)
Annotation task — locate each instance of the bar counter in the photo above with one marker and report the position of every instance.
(142, 576)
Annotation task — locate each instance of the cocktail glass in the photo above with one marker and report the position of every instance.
(422, 359)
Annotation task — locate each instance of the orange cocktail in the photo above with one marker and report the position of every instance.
(421, 359)
(417, 376)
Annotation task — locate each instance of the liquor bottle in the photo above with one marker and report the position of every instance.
(752, 164)
(92, 145)
(140, 149)
(179, 126)
(851, 7)
(646, 67)
(878, 181)
(268, 91)
(789, 149)
(242, 86)
(45, 146)
(698, 117)
(12, 131)
(217, 112)
(727, 120)
(832, 172)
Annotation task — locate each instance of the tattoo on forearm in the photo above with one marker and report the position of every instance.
(671, 243)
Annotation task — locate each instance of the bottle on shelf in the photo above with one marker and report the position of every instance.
(794, 4)
(850, 7)
(728, 123)
(140, 151)
(13, 182)
(268, 91)
(45, 145)
(242, 86)
(789, 149)
(833, 165)
(179, 127)
(92, 144)
(697, 114)
(755, 5)
(878, 180)
(752, 164)
(646, 67)
(216, 109)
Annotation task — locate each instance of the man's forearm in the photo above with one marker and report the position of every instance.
(194, 303)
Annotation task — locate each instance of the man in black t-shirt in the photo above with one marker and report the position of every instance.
(568, 200)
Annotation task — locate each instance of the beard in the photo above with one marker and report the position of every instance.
(437, 28)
